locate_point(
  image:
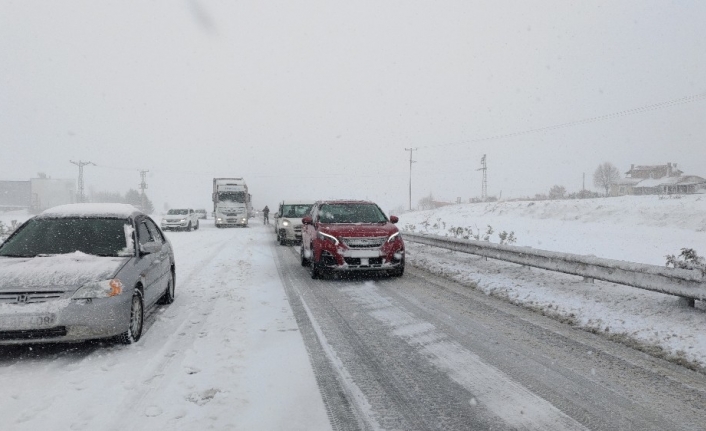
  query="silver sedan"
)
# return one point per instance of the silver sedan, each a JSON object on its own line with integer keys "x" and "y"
{"x": 83, "y": 271}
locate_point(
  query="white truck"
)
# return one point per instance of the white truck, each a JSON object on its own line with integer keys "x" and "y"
{"x": 231, "y": 202}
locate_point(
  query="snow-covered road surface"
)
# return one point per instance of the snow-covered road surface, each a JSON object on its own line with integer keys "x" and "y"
{"x": 226, "y": 355}
{"x": 424, "y": 353}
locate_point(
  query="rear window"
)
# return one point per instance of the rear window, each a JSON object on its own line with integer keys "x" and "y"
{"x": 96, "y": 236}
{"x": 351, "y": 213}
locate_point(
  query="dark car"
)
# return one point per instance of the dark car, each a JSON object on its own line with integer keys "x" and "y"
{"x": 83, "y": 271}
{"x": 203, "y": 215}
{"x": 348, "y": 236}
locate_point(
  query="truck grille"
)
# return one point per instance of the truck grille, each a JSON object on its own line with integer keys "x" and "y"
{"x": 373, "y": 242}
{"x": 29, "y": 297}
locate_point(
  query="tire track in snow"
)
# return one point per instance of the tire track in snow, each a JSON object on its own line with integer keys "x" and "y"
{"x": 152, "y": 377}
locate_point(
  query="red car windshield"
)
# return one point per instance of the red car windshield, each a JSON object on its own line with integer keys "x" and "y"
{"x": 351, "y": 213}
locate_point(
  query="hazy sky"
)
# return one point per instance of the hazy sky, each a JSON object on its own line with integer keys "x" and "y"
{"x": 319, "y": 99}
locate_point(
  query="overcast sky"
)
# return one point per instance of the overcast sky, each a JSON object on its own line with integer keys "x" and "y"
{"x": 319, "y": 99}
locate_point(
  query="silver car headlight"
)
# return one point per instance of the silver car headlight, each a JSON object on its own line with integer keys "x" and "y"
{"x": 100, "y": 289}
{"x": 285, "y": 223}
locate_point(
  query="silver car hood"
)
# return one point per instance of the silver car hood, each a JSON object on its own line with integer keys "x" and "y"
{"x": 62, "y": 270}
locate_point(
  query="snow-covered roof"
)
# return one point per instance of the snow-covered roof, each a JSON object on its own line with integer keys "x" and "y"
{"x": 628, "y": 181}
{"x": 92, "y": 209}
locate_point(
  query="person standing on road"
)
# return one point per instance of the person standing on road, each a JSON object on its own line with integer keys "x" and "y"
{"x": 266, "y": 212}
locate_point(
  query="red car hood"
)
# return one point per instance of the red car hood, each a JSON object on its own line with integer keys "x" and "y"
{"x": 358, "y": 230}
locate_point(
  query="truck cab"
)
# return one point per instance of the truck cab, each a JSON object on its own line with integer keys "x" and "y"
{"x": 231, "y": 202}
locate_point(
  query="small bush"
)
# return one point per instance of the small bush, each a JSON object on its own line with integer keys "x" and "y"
{"x": 687, "y": 259}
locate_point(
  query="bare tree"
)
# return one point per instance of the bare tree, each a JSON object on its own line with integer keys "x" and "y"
{"x": 605, "y": 176}
{"x": 426, "y": 203}
{"x": 557, "y": 192}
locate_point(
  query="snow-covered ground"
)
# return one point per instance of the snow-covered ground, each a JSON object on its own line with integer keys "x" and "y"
{"x": 640, "y": 229}
{"x": 226, "y": 355}
{"x": 636, "y": 229}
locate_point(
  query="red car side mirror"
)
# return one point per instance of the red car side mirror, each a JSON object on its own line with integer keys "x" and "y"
{"x": 307, "y": 220}
{"x": 394, "y": 219}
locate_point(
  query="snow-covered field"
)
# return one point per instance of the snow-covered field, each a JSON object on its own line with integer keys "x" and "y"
{"x": 636, "y": 229}
{"x": 632, "y": 228}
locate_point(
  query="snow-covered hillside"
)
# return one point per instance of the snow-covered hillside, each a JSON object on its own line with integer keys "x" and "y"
{"x": 633, "y": 228}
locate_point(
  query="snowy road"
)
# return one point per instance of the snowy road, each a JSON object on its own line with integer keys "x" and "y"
{"x": 422, "y": 353}
{"x": 226, "y": 355}
{"x": 252, "y": 343}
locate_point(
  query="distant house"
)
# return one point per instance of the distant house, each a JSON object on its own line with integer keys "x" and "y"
{"x": 657, "y": 180}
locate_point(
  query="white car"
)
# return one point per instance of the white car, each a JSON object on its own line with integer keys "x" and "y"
{"x": 288, "y": 220}
{"x": 180, "y": 219}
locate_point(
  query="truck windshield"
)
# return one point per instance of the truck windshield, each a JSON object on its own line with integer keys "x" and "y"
{"x": 237, "y": 197}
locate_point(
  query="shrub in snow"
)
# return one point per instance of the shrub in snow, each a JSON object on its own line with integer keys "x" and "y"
{"x": 687, "y": 259}
{"x": 507, "y": 238}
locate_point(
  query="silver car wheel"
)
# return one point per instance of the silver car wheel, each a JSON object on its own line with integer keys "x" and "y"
{"x": 134, "y": 330}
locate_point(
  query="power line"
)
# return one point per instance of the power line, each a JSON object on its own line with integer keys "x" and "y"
{"x": 655, "y": 106}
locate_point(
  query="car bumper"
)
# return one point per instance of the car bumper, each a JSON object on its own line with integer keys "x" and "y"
{"x": 361, "y": 260}
{"x": 231, "y": 221}
{"x": 174, "y": 225}
{"x": 291, "y": 234}
{"x": 78, "y": 320}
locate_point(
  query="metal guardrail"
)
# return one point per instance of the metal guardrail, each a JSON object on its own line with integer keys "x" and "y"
{"x": 689, "y": 284}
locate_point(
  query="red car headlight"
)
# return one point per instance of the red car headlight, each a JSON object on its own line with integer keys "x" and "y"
{"x": 326, "y": 237}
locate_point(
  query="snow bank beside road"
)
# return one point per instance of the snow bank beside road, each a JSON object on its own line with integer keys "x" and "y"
{"x": 641, "y": 229}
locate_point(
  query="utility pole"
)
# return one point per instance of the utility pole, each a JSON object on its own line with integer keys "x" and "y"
{"x": 484, "y": 168}
{"x": 143, "y": 186}
{"x": 411, "y": 150}
{"x": 80, "y": 164}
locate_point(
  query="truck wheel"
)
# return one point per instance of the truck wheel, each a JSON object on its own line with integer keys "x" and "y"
{"x": 282, "y": 239}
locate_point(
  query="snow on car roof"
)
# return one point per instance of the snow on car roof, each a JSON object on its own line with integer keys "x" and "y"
{"x": 92, "y": 209}
{"x": 346, "y": 201}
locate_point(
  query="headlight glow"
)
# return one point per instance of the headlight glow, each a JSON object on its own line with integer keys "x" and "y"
{"x": 285, "y": 223}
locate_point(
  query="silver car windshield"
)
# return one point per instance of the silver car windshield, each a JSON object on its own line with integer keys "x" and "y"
{"x": 96, "y": 236}
{"x": 177, "y": 212}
